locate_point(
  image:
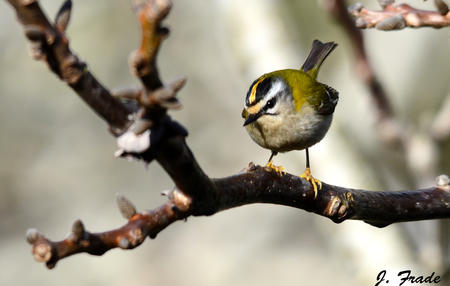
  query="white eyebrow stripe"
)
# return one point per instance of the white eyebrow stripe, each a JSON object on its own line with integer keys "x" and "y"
{"x": 277, "y": 86}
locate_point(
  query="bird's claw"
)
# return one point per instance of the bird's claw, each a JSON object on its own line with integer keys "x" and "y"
{"x": 316, "y": 184}
{"x": 278, "y": 169}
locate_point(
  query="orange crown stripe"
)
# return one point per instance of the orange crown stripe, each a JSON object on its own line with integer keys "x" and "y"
{"x": 252, "y": 97}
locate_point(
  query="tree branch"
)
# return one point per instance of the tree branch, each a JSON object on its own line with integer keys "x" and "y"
{"x": 398, "y": 16}
{"x": 79, "y": 240}
{"x": 389, "y": 128}
{"x": 50, "y": 44}
{"x": 143, "y": 60}
{"x": 255, "y": 185}
{"x": 195, "y": 194}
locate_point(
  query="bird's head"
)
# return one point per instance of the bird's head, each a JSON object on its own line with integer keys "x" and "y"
{"x": 269, "y": 95}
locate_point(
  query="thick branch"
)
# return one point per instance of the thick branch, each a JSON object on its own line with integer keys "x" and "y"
{"x": 255, "y": 185}
{"x": 398, "y": 16}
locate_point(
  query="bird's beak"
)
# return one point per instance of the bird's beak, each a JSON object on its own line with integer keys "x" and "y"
{"x": 252, "y": 118}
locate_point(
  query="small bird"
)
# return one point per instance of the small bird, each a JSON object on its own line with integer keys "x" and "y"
{"x": 289, "y": 109}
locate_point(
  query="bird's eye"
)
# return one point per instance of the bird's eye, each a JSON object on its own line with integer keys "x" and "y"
{"x": 270, "y": 103}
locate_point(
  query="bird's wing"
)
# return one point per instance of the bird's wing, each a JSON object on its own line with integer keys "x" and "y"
{"x": 328, "y": 101}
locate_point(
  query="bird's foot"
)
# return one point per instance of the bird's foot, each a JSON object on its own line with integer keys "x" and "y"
{"x": 278, "y": 169}
{"x": 316, "y": 184}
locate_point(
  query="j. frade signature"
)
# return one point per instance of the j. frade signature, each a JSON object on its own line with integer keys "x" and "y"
{"x": 405, "y": 276}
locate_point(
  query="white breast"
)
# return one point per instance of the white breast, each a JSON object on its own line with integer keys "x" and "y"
{"x": 292, "y": 131}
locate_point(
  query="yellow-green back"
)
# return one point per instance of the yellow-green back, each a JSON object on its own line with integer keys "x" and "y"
{"x": 304, "y": 88}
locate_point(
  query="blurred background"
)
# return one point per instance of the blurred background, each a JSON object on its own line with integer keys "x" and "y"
{"x": 57, "y": 162}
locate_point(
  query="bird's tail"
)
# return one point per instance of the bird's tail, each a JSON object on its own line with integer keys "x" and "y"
{"x": 317, "y": 55}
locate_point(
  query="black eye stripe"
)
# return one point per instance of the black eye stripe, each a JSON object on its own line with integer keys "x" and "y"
{"x": 270, "y": 103}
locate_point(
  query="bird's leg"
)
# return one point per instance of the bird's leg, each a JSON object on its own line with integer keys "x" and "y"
{"x": 316, "y": 184}
{"x": 278, "y": 169}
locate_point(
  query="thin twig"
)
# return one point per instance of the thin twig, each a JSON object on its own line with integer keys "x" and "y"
{"x": 389, "y": 129}
{"x": 52, "y": 46}
{"x": 79, "y": 240}
{"x": 398, "y": 16}
{"x": 143, "y": 61}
